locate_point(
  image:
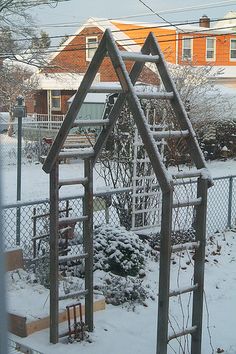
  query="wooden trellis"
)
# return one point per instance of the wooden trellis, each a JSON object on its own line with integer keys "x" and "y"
{"x": 151, "y": 53}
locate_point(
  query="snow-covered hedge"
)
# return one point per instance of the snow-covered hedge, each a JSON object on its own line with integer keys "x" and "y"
{"x": 118, "y": 251}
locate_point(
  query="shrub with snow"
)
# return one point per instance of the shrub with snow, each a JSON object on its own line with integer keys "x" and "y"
{"x": 124, "y": 290}
{"x": 118, "y": 251}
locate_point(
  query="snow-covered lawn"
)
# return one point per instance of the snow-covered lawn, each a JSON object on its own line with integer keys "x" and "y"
{"x": 122, "y": 331}
{"x": 35, "y": 182}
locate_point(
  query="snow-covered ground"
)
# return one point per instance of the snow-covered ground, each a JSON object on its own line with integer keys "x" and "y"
{"x": 35, "y": 182}
{"x": 122, "y": 331}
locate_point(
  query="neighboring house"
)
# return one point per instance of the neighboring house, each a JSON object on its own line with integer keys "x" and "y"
{"x": 202, "y": 44}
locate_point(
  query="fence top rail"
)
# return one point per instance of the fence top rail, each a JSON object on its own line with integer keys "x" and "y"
{"x": 102, "y": 193}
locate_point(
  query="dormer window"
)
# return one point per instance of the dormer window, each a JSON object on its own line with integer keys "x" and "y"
{"x": 91, "y": 46}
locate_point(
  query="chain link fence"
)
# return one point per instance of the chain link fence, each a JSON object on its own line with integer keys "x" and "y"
{"x": 33, "y": 143}
{"x": 221, "y": 214}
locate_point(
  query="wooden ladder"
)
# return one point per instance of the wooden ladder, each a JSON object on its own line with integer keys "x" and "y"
{"x": 150, "y": 52}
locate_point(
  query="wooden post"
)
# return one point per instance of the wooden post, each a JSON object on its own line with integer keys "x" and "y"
{"x": 197, "y": 313}
{"x": 164, "y": 274}
{"x": 54, "y": 297}
{"x": 88, "y": 242}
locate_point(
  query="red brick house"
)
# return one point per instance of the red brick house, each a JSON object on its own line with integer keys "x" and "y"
{"x": 201, "y": 44}
{"x": 59, "y": 81}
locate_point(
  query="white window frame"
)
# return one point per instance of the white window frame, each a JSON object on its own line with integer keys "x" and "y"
{"x": 88, "y": 57}
{"x": 230, "y": 58}
{"x": 53, "y": 96}
{"x": 213, "y": 49}
{"x": 191, "y": 48}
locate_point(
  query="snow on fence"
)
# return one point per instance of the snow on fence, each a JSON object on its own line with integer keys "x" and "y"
{"x": 221, "y": 212}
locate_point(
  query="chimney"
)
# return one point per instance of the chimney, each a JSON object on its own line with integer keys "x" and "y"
{"x": 204, "y": 21}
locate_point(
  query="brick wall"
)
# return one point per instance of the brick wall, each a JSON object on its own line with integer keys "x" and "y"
{"x": 73, "y": 59}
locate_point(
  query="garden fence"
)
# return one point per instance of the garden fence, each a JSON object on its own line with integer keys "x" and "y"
{"x": 221, "y": 213}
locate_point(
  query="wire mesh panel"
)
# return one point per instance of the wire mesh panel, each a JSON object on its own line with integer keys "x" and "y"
{"x": 110, "y": 208}
{"x": 218, "y": 204}
{"x": 233, "y": 200}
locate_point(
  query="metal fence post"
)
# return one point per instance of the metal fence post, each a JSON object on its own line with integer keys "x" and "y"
{"x": 19, "y": 112}
{"x": 3, "y": 315}
{"x": 229, "y": 224}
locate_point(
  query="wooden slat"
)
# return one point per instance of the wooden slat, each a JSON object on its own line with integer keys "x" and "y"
{"x": 185, "y": 246}
{"x": 185, "y": 331}
{"x": 183, "y": 290}
{"x": 80, "y": 153}
{"x": 139, "y": 57}
{"x": 155, "y": 95}
{"x": 73, "y": 295}
{"x": 188, "y": 174}
{"x": 170, "y": 134}
{"x": 91, "y": 122}
{"x": 187, "y": 203}
{"x": 71, "y": 220}
{"x": 72, "y": 181}
{"x": 64, "y": 259}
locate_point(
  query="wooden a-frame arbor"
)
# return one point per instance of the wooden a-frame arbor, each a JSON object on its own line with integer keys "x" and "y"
{"x": 150, "y": 52}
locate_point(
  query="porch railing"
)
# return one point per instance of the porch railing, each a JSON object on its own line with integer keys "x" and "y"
{"x": 42, "y": 120}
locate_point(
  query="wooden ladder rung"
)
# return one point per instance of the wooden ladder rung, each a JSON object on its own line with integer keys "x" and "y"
{"x": 72, "y": 220}
{"x": 155, "y": 95}
{"x": 72, "y": 181}
{"x": 185, "y": 246}
{"x": 81, "y": 153}
{"x": 189, "y": 174}
{"x": 186, "y": 203}
{"x": 165, "y": 134}
{"x": 39, "y": 237}
{"x": 74, "y": 294}
{"x": 183, "y": 290}
{"x": 139, "y": 57}
{"x": 64, "y": 259}
{"x": 91, "y": 122}
{"x": 185, "y": 331}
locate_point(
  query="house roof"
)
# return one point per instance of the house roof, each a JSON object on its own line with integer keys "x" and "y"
{"x": 60, "y": 81}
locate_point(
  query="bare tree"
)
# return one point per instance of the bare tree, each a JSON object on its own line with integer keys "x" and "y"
{"x": 16, "y": 79}
{"x": 203, "y": 102}
{"x": 17, "y": 31}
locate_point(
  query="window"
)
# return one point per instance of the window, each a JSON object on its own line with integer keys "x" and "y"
{"x": 91, "y": 46}
{"x": 187, "y": 48}
{"x": 56, "y": 100}
{"x": 210, "y": 48}
{"x": 233, "y": 49}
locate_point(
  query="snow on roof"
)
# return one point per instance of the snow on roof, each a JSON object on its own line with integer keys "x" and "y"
{"x": 92, "y": 98}
{"x": 229, "y": 22}
{"x": 60, "y": 81}
{"x": 223, "y": 72}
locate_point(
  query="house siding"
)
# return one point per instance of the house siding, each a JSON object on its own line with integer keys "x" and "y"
{"x": 222, "y": 57}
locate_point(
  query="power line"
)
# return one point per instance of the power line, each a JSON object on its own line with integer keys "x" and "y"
{"x": 128, "y": 29}
{"x": 82, "y": 48}
{"x": 175, "y": 10}
{"x": 161, "y": 17}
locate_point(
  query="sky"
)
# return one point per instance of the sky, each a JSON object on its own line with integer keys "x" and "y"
{"x": 69, "y": 15}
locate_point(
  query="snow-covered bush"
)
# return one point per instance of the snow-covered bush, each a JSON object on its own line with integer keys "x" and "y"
{"x": 124, "y": 290}
{"x": 118, "y": 251}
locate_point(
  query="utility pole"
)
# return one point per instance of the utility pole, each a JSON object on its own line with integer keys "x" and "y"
{"x": 19, "y": 113}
